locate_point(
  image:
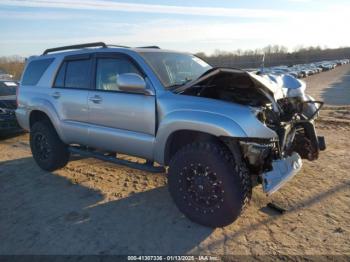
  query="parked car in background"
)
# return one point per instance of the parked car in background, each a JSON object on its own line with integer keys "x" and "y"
{"x": 304, "y": 70}
{"x": 5, "y": 77}
{"x": 8, "y": 121}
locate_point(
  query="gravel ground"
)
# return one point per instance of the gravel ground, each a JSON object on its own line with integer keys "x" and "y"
{"x": 92, "y": 207}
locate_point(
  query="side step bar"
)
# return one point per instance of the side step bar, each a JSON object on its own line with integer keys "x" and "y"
{"x": 148, "y": 166}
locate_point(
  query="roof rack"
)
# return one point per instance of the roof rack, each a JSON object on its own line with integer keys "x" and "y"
{"x": 72, "y": 47}
{"x": 152, "y": 46}
{"x": 123, "y": 46}
{"x": 96, "y": 44}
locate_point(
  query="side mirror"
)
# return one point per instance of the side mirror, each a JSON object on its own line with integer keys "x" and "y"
{"x": 131, "y": 82}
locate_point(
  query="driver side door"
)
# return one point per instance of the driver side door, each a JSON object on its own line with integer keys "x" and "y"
{"x": 120, "y": 121}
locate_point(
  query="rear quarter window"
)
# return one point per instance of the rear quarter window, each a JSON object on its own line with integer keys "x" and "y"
{"x": 35, "y": 71}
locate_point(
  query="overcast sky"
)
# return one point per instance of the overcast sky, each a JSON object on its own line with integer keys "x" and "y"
{"x": 29, "y": 26}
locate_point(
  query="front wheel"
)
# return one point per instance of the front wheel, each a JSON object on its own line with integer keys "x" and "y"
{"x": 49, "y": 152}
{"x": 206, "y": 184}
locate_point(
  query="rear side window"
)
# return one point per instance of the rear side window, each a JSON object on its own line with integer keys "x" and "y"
{"x": 35, "y": 71}
{"x": 74, "y": 74}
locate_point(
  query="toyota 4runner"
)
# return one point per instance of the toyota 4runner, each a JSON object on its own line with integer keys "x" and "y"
{"x": 215, "y": 131}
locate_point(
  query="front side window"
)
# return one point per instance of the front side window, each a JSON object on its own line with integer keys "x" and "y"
{"x": 108, "y": 69}
{"x": 74, "y": 74}
{"x": 174, "y": 69}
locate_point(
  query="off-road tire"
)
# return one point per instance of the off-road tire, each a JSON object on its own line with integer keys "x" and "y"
{"x": 57, "y": 154}
{"x": 235, "y": 182}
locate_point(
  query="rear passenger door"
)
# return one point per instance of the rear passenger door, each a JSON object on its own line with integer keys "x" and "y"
{"x": 69, "y": 96}
{"x": 120, "y": 121}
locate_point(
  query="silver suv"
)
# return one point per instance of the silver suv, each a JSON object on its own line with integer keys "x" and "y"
{"x": 214, "y": 130}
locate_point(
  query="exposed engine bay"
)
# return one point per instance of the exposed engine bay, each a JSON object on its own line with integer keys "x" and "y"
{"x": 279, "y": 102}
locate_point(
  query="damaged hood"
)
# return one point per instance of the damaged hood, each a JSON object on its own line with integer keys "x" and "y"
{"x": 290, "y": 86}
{"x": 272, "y": 86}
{"x": 268, "y": 84}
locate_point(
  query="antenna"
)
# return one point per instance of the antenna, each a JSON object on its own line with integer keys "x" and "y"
{"x": 263, "y": 63}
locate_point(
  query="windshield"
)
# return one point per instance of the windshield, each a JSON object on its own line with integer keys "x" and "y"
{"x": 175, "y": 69}
{"x": 7, "y": 88}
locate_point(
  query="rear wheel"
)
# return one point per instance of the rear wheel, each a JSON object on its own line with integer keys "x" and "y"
{"x": 207, "y": 185}
{"x": 49, "y": 152}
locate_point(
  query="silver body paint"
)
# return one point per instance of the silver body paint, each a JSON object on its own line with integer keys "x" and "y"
{"x": 134, "y": 124}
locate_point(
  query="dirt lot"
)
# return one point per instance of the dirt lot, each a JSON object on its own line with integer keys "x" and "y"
{"x": 91, "y": 207}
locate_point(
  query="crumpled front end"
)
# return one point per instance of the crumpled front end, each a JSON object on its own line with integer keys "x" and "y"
{"x": 294, "y": 122}
{"x": 281, "y": 105}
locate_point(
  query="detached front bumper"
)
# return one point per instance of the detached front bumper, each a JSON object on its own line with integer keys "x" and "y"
{"x": 282, "y": 171}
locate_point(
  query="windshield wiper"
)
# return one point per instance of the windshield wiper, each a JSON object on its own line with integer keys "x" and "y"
{"x": 174, "y": 86}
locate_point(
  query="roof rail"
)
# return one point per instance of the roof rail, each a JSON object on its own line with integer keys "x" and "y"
{"x": 72, "y": 47}
{"x": 152, "y": 46}
{"x": 122, "y": 46}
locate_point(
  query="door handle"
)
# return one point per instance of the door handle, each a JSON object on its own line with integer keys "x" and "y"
{"x": 96, "y": 99}
{"x": 56, "y": 95}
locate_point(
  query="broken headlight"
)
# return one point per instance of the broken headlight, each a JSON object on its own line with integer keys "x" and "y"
{"x": 255, "y": 153}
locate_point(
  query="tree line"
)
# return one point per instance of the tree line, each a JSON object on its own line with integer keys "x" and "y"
{"x": 274, "y": 55}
